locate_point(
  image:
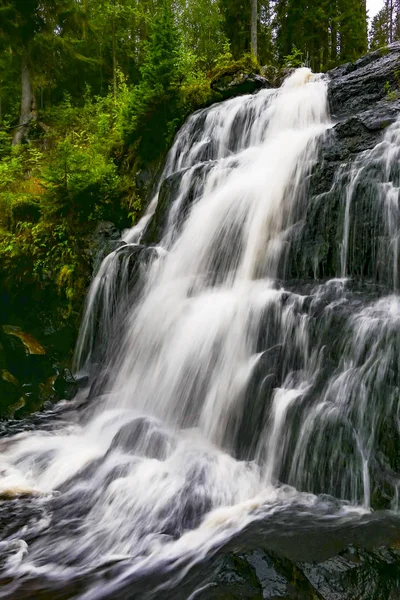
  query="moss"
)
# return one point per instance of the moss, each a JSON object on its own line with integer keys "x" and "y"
{"x": 25, "y": 210}
{"x": 32, "y": 346}
{"x": 247, "y": 64}
{"x": 11, "y": 397}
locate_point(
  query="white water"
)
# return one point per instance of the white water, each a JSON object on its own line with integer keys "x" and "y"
{"x": 175, "y": 457}
{"x": 204, "y": 300}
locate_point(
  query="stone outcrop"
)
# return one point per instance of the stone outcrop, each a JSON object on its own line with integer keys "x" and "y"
{"x": 237, "y": 84}
{"x": 29, "y": 376}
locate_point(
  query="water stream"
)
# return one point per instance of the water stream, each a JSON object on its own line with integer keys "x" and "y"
{"x": 228, "y": 400}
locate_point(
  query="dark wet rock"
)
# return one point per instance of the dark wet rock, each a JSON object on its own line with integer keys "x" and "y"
{"x": 281, "y": 578}
{"x": 105, "y": 238}
{"x": 284, "y": 74}
{"x": 353, "y": 573}
{"x": 146, "y": 179}
{"x": 65, "y": 385}
{"x": 142, "y": 437}
{"x": 266, "y": 377}
{"x": 357, "y": 573}
{"x": 360, "y": 103}
{"x": 363, "y": 109}
{"x": 119, "y": 288}
{"x": 23, "y": 362}
{"x": 356, "y": 87}
{"x": 235, "y": 580}
{"x": 270, "y": 72}
{"x": 239, "y": 83}
{"x": 31, "y": 377}
{"x": 169, "y": 192}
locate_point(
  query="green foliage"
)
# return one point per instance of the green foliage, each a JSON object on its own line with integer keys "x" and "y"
{"x": 225, "y": 66}
{"x": 393, "y": 94}
{"x": 52, "y": 190}
{"x": 172, "y": 84}
{"x": 295, "y": 59}
{"x": 201, "y": 24}
{"x": 154, "y": 103}
{"x": 236, "y": 26}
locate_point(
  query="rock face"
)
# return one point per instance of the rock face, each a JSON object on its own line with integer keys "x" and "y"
{"x": 169, "y": 190}
{"x": 343, "y": 229}
{"x": 364, "y": 99}
{"x": 356, "y": 87}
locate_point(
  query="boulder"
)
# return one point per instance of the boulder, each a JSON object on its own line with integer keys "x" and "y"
{"x": 229, "y": 85}
{"x": 105, "y": 238}
{"x": 356, "y": 87}
{"x": 27, "y": 373}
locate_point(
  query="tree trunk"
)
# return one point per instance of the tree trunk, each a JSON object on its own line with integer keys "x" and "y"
{"x": 391, "y": 21}
{"x": 334, "y": 42}
{"x": 28, "y": 106}
{"x": 114, "y": 55}
{"x": 254, "y": 11}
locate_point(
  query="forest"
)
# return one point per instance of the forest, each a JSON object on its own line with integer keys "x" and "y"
{"x": 92, "y": 93}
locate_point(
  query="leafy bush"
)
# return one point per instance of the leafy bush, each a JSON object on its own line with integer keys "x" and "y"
{"x": 295, "y": 59}
{"x": 50, "y": 193}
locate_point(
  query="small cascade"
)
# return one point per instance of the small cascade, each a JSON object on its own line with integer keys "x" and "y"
{"x": 237, "y": 391}
{"x": 110, "y": 292}
{"x": 368, "y": 189}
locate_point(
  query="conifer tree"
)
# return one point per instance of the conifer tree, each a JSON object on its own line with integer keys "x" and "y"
{"x": 353, "y": 29}
{"x": 154, "y": 101}
{"x": 34, "y": 30}
{"x": 385, "y": 27}
{"x": 324, "y": 31}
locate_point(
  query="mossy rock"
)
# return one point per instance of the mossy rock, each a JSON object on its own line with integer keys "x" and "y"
{"x": 25, "y": 357}
{"x": 11, "y": 396}
{"x": 237, "y": 78}
{"x": 32, "y": 346}
{"x": 247, "y": 64}
{"x": 30, "y": 373}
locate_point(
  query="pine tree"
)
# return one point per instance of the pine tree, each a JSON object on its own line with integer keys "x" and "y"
{"x": 201, "y": 25}
{"x": 385, "y": 27}
{"x": 353, "y": 30}
{"x": 154, "y": 101}
{"x": 34, "y": 30}
{"x": 323, "y": 31}
{"x": 379, "y": 34}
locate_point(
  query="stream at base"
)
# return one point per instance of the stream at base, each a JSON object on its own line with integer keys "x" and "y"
{"x": 118, "y": 524}
{"x": 240, "y": 433}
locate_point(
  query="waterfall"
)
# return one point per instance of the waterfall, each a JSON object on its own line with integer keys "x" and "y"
{"x": 226, "y": 392}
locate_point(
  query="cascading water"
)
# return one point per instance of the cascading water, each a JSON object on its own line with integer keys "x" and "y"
{"x": 383, "y": 196}
{"x": 229, "y": 398}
